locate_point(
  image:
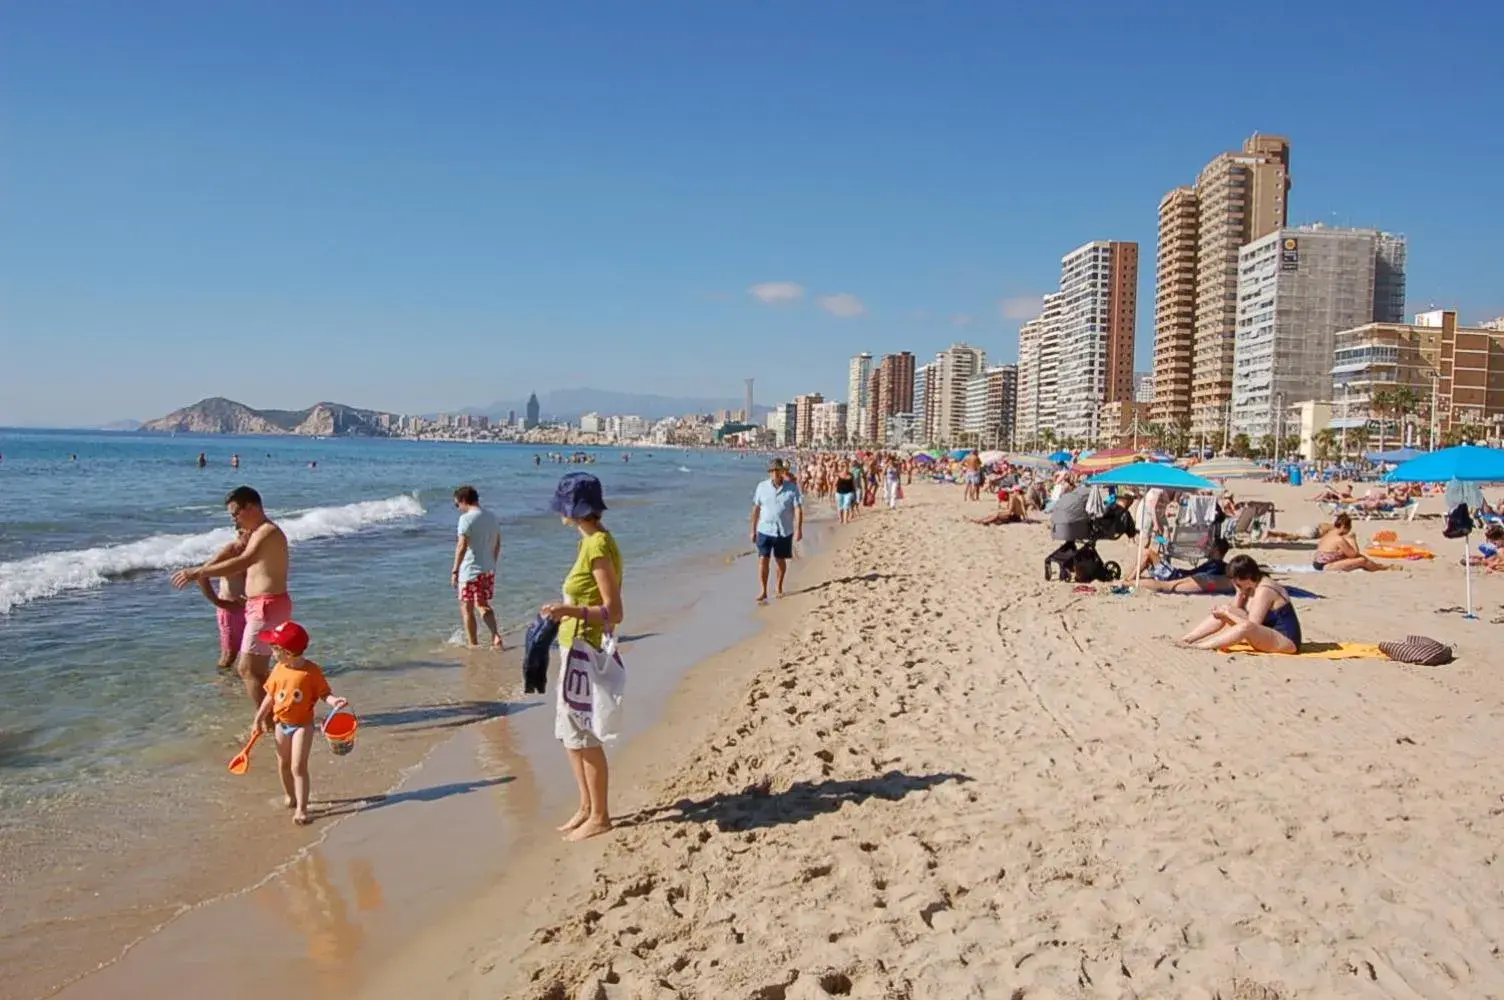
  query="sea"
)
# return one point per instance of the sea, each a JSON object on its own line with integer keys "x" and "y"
{"x": 114, "y": 721}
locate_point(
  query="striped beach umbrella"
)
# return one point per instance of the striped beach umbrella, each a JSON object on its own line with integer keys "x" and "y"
{"x": 1101, "y": 461}
{"x": 1229, "y": 468}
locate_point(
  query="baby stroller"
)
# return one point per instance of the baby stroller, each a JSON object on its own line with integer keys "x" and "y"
{"x": 1069, "y": 524}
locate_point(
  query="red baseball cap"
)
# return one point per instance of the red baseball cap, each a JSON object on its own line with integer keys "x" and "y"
{"x": 289, "y": 635}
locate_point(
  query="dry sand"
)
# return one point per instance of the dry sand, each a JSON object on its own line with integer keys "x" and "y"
{"x": 938, "y": 776}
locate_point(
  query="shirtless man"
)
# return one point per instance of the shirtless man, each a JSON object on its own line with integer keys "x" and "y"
{"x": 263, "y": 560}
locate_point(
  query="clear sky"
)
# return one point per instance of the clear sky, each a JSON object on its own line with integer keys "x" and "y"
{"x": 418, "y": 206}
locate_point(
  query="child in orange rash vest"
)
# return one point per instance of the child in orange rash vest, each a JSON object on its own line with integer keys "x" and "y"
{"x": 293, "y": 687}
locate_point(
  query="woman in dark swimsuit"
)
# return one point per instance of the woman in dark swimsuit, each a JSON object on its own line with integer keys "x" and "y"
{"x": 1262, "y": 615}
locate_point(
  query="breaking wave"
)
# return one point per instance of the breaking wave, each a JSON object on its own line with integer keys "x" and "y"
{"x": 54, "y": 573}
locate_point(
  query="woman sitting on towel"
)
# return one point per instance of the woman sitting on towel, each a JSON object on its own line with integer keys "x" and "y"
{"x": 1337, "y": 551}
{"x": 1262, "y": 615}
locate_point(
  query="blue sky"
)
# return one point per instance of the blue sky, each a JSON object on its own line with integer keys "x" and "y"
{"x": 420, "y": 206}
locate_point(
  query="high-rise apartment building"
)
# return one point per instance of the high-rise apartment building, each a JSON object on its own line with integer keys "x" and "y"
{"x": 1098, "y": 292}
{"x": 1239, "y": 197}
{"x": 1175, "y": 306}
{"x": 804, "y": 418}
{"x": 955, "y": 367}
{"x": 858, "y": 374}
{"x": 828, "y": 424}
{"x": 1296, "y": 289}
{"x": 924, "y": 423}
{"x": 1143, "y": 387}
{"x": 1242, "y": 198}
{"x": 1039, "y": 372}
{"x": 991, "y": 399}
{"x": 890, "y": 390}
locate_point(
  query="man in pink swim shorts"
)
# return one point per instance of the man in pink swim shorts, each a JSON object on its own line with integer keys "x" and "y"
{"x": 264, "y": 561}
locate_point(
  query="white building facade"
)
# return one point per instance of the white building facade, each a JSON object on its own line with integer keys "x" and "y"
{"x": 1296, "y": 289}
{"x": 857, "y": 402}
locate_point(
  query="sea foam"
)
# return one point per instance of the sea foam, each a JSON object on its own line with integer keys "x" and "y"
{"x": 53, "y": 573}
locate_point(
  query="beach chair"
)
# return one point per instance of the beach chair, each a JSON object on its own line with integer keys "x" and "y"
{"x": 1187, "y": 542}
{"x": 1255, "y": 519}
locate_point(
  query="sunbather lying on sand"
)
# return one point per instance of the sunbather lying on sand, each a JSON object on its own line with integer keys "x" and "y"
{"x": 1337, "y": 551}
{"x": 1208, "y": 578}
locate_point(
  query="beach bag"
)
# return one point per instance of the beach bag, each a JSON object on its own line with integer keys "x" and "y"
{"x": 592, "y": 688}
{"x": 1419, "y": 649}
{"x": 1459, "y": 523}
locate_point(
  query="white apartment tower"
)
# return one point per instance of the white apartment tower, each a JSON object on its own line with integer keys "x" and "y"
{"x": 1098, "y": 288}
{"x": 1039, "y": 372}
{"x": 857, "y": 402}
{"x": 1296, "y": 289}
{"x": 955, "y": 366}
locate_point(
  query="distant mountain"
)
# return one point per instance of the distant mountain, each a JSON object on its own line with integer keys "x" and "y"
{"x": 218, "y": 415}
{"x": 570, "y": 404}
{"x": 121, "y": 425}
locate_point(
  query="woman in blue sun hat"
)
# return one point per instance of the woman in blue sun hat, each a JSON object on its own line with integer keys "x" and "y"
{"x": 592, "y": 607}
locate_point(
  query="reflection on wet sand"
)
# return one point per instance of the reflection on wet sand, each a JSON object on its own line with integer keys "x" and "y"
{"x": 307, "y": 900}
{"x": 499, "y": 749}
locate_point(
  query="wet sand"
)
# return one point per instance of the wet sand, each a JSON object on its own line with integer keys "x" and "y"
{"x": 936, "y": 775}
{"x": 475, "y": 769}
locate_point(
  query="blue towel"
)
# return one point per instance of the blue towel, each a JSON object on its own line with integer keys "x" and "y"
{"x": 541, "y": 636}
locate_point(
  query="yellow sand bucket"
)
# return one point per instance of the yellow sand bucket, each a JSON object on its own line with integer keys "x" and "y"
{"x": 339, "y": 730}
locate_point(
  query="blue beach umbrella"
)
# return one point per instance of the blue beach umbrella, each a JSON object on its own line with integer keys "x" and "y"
{"x": 1151, "y": 475}
{"x": 1465, "y": 463}
{"x": 1061, "y": 456}
{"x": 1396, "y": 456}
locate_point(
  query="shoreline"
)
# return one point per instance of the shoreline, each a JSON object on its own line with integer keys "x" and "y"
{"x": 544, "y": 866}
{"x": 496, "y": 771}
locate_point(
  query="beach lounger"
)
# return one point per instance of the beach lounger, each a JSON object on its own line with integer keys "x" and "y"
{"x": 1255, "y": 519}
{"x": 1358, "y": 512}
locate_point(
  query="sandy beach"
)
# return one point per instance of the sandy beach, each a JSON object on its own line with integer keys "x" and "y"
{"x": 935, "y": 775}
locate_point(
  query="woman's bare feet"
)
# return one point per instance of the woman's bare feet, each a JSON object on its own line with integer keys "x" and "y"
{"x": 288, "y": 802}
{"x": 590, "y": 828}
{"x": 301, "y": 818}
{"x": 575, "y": 821}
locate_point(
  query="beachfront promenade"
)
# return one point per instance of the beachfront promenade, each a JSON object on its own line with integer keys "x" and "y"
{"x": 935, "y": 775}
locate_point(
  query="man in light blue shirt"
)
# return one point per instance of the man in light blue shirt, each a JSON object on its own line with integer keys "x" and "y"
{"x": 777, "y": 523}
{"x": 476, "y": 554}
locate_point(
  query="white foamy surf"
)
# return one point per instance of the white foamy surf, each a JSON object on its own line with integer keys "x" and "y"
{"x": 53, "y": 573}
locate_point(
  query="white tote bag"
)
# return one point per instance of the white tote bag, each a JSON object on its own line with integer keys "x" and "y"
{"x": 591, "y": 690}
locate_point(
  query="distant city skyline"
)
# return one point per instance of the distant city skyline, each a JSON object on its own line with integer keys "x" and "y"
{"x": 243, "y": 202}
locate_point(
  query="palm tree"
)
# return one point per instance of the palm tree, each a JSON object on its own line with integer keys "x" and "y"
{"x": 1405, "y": 401}
{"x": 1325, "y": 444}
{"x": 1266, "y": 446}
{"x": 1381, "y": 404}
{"x": 1241, "y": 447}
{"x": 1290, "y": 445}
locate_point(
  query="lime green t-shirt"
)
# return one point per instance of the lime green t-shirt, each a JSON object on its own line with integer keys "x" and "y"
{"x": 580, "y": 586}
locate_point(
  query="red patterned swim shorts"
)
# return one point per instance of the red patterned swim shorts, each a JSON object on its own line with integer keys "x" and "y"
{"x": 480, "y": 590}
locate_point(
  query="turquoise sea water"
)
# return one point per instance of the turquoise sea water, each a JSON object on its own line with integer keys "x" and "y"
{"x": 115, "y": 809}
{"x": 100, "y": 660}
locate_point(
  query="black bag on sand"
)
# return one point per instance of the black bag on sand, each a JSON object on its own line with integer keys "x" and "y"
{"x": 1419, "y": 649}
{"x": 541, "y": 635}
{"x": 1459, "y": 523}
